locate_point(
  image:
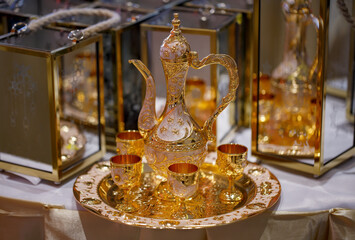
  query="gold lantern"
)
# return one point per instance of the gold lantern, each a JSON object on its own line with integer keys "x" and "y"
{"x": 296, "y": 123}
{"x": 122, "y": 94}
{"x": 52, "y": 97}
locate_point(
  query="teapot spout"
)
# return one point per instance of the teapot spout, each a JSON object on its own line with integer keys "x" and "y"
{"x": 147, "y": 117}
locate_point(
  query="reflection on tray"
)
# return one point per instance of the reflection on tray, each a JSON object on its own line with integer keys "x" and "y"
{"x": 205, "y": 204}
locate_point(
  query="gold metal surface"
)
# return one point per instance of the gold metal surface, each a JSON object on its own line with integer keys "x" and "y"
{"x": 183, "y": 181}
{"x": 175, "y": 137}
{"x": 119, "y": 82}
{"x": 126, "y": 170}
{"x": 96, "y": 191}
{"x": 130, "y": 142}
{"x": 231, "y": 161}
{"x": 245, "y": 109}
{"x": 126, "y": 173}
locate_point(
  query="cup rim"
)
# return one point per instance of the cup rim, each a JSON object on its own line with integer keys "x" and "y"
{"x": 194, "y": 169}
{"x": 128, "y": 132}
{"x": 131, "y": 157}
{"x": 221, "y": 147}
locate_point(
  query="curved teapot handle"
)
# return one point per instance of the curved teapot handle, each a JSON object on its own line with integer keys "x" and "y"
{"x": 317, "y": 63}
{"x": 231, "y": 66}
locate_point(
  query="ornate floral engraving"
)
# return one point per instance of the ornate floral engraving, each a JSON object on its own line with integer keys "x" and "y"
{"x": 265, "y": 188}
{"x": 91, "y": 201}
{"x": 22, "y": 90}
{"x": 256, "y": 171}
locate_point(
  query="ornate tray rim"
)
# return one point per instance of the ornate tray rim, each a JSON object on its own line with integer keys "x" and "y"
{"x": 268, "y": 192}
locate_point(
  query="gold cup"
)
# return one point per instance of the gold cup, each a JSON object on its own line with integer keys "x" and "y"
{"x": 231, "y": 160}
{"x": 126, "y": 172}
{"x": 182, "y": 182}
{"x": 130, "y": 142}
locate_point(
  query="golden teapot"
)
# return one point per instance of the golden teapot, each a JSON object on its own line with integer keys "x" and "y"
{"x": 175, "y": 137}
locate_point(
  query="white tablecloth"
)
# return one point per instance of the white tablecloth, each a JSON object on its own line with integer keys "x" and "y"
{"x": 300, "y": 191}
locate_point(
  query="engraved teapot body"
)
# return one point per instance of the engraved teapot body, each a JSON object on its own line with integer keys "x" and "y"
{"x": 175, "y": 137}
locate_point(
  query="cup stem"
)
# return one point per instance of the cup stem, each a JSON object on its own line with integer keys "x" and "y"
{"x": 181, "y": 212}
{"x": 231, "y": 187}
{"x": 231, "y": 195}
{"x": 125, "y": 195}
{"x": 125, "y": 204}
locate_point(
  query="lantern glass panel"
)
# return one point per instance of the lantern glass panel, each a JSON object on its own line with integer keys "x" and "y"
{"x": 339, "y": 131}
{"x": 24, "y": 124}
{"x": 79, "y": 100}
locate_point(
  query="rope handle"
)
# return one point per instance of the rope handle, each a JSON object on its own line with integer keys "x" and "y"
{"x": 75, "y": 35}
{"x": 345, "y": 11}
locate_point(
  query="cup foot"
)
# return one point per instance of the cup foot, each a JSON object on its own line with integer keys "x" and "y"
{"x": 229, "y": 197}
{"x": 182, "y": 213}
{"x": 162, "y": 192}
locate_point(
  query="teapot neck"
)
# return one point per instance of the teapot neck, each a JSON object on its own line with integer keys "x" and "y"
{"x": 295, "y": 34}
{"x": 175, "y": 75}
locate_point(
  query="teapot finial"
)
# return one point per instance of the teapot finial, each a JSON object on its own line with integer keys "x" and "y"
{"x": 176, "y": 24}
{"x": 175, "y": 47}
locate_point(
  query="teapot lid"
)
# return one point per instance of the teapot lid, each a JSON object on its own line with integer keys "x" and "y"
{"x": 175, "y": 47}
{"x": 296, "y": 6}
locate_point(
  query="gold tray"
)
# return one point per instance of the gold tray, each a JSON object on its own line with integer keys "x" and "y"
{"x": 96, "y": 192}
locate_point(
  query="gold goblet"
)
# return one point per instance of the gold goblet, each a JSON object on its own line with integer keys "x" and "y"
{"x": 130, "y": 142}
{"x": 126, "y": 172}
{"x": 183, "y": 184}
{"x": 231, "y": 160}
